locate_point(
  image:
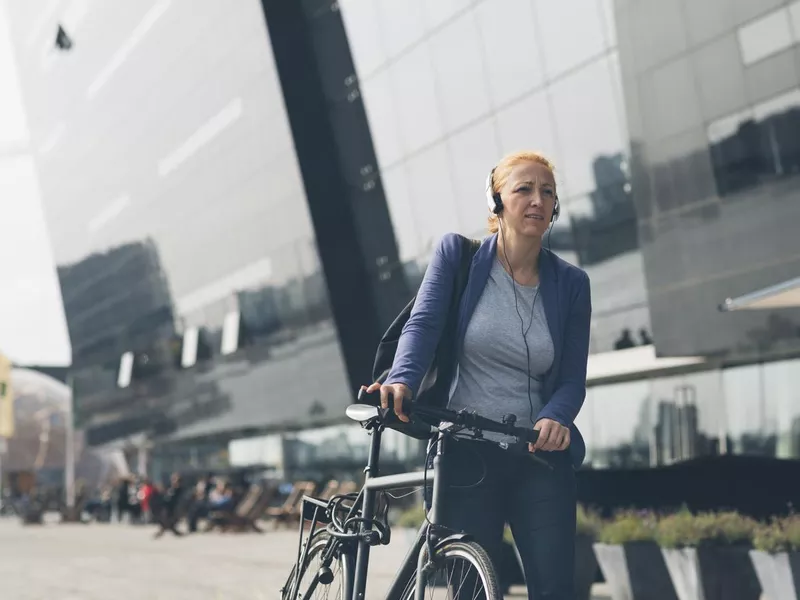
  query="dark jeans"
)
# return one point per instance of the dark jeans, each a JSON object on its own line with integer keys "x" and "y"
{"x": 538, "y": 504}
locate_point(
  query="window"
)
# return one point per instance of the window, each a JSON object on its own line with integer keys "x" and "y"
{"x": 125, "y": 370}
{"x": 621, "y": 425}
{"x": 689, "y": 421}
{"x": 230, "y": 333}
{"x": 460, "y": 78}
{"x": 514, "y": 66}
{"x": 757, "y": 145}
{"x": 418, "y": 118}
{"x": 782, "y": 398}
{"x": 571, "y": 33}
{"x": 587, "y": 125}
{"x": 749, "y": 429}
{"x": 765, "y": 36}
{"x": 189, "y": 350}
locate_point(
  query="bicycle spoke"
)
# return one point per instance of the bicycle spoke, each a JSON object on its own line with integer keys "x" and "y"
{"x": 453, "y": 586}
{"x": 309, "y": 575}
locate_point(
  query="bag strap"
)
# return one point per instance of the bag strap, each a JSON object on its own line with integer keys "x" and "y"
{"x": 469, "y": 247}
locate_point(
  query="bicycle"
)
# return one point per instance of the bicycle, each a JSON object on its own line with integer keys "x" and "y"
{"x": 350, "y": 524}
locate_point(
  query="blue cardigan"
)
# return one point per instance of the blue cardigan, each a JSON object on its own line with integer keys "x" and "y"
{"x": 566, "y": 298}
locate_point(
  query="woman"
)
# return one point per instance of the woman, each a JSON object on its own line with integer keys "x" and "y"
{"x": 523, "y": 342}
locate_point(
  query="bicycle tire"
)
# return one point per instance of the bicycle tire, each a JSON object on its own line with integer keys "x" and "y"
{"x": 471, "y": 552}
{"x": 317, "y": 546}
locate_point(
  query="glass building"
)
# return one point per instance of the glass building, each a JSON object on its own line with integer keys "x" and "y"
{"x": 240, "y": 198}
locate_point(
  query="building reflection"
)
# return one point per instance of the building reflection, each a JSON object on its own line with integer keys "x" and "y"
{"x": 677, "y": 417}
{"x": 715, "y": 182}
{"x": 181, "y": 387}
{"x": 611, "y": 229}
{"x": 763, "y": 148}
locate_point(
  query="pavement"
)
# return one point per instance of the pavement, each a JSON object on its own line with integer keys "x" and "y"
{"x": 95, "y": 561}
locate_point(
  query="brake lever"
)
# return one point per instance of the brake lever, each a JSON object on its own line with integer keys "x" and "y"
{"x": 522, "y": 448}
{"x": 454, "y": 429}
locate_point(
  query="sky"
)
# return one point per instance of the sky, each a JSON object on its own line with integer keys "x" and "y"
{"x": 33, "y": 329}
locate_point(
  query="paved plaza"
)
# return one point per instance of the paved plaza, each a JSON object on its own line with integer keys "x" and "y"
{"x": 100, "y": 561}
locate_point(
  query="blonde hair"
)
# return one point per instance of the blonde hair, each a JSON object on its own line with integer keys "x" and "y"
{"x": 503, "y": 170}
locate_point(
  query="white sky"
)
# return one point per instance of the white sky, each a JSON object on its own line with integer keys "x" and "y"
{"x": 33, "y": 329}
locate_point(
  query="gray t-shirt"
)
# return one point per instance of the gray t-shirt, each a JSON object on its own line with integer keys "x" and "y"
{"x": 492, "y": 376}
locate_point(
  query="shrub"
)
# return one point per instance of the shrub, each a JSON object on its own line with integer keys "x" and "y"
{"x": 727, "y": 528}
{"x": 683, "y": 529}
{"x": 678, "y": 530}
{"x": 780, "y": 535}
{"x": 412, "y": 517}
{"x": 628, "y": 526}
{"x": 589, "y": 522}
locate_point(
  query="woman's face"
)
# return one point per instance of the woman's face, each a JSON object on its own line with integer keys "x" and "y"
{"x": 529, "y": 198}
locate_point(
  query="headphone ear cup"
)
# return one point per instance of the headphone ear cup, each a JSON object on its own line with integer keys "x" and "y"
{"x": 498, "y": 204}
{"x": 493, "y": 200}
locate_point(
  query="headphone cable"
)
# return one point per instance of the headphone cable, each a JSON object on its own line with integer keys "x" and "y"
{"x": 521, "y": 320}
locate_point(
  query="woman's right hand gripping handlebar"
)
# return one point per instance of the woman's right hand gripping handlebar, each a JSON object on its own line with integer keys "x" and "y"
{"x": 393, "y": 393}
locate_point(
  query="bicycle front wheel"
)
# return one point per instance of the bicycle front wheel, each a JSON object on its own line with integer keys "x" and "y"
{"x": 463, "y": 570}
{"x": 307, "y": 580}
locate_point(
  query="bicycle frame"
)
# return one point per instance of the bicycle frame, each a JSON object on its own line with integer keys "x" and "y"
{"x": 355, "y": 580}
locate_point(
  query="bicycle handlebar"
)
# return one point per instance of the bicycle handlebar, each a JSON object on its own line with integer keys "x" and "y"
{"x": 471, "y": 420}
{"x": 435, "y": 416}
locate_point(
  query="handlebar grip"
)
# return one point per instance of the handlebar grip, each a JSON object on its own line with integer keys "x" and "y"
{"x": 373, "y": 399}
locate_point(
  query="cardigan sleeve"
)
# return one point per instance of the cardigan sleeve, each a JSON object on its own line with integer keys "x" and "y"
{"x": 570, "y": 387}
{"x": 421, "y": 333}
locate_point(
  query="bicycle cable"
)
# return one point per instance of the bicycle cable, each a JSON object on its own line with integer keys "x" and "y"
{"x": 425, "y": 503}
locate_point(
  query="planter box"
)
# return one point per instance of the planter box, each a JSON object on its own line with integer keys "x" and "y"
{"x": 585, "y": 567}
{"x": 635, "y": 570}
{"x": 779, "y": 574}
{"x": 509, "y": 571}
{"x": 712, "y": 573}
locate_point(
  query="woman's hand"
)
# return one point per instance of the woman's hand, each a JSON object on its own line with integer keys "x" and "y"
{"x": 552, "y": 436}
{"x": 398, "y": 391}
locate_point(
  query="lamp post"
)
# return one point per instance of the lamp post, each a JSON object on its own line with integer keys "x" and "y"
{"x": 69, "y": 454}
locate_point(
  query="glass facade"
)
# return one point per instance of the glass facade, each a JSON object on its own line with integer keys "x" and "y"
{"x": 712, "y": 98}
{"x": 241, "y": 197}
{"x": 450, "y": 87}
{"x": 33, "y": 329}
{"x": 749, "y": 410}
{"x": 186, "y": 254}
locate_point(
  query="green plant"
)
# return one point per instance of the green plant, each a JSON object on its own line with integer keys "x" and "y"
{"x": 628, "y": 526}
{"x": 779, "y": 535}
{"x": 678, "y": 530}
{"x": 589, "y": 523}
{"x": 727, "y": 528}
{"x": 412, "y": 517}
{"x": 683, "y": 529}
